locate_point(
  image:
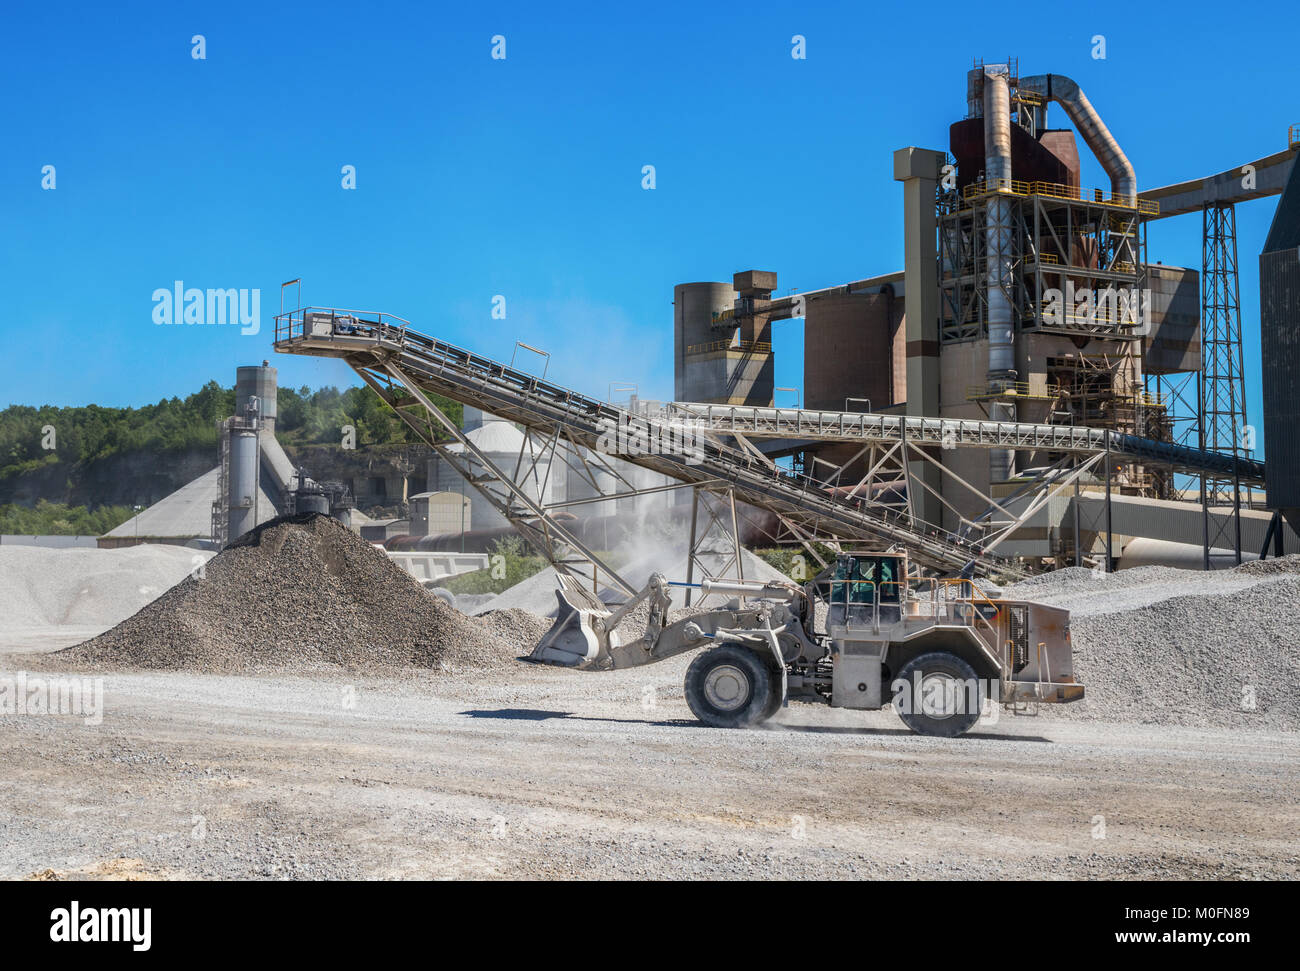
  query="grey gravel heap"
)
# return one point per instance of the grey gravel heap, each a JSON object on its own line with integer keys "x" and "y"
{"x": 1167, "y": 646}
{"x": 301, "y": 594}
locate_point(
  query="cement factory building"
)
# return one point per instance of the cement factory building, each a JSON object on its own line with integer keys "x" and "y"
{"x": 1025, "y": 297}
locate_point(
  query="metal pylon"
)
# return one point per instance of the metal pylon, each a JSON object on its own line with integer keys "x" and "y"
{"x": 1222, "y": 385}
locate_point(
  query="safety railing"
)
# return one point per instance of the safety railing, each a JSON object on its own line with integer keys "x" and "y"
{"x": 743, "y": 347}
{"x": 1126, "y": 311}
{"x": 328, "y": 322}
{"x": 1011, "y": 389}
{"x": 915, "y": 600}
{"x": 1054, "y": 190}
{"x": 1051, "y": 259}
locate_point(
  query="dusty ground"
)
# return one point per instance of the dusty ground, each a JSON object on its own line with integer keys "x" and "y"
{"x": 569, "y": 774}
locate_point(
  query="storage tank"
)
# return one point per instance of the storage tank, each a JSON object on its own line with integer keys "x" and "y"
{"x": 242, "y": 484}
{"x": 252, "y": 380}
{"x": 854, "y": 347}
{"x": 312, "y": 500}
{"x": 699, "y": 377}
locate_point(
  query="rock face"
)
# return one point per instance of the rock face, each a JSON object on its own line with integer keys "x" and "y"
{"x": 138, "y": 477}
{"x": 299, "y": 594}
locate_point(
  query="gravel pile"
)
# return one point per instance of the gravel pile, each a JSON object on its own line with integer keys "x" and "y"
{"x": 1270, "y": 567}
{"x": 1167, "y": 646}
{"x": 77, "y": 593}
{"x": 301, "y": 594}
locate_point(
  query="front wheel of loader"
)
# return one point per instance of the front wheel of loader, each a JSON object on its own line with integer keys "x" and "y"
{"x": 942, "y": 696}
{"x": 729, "y": 686}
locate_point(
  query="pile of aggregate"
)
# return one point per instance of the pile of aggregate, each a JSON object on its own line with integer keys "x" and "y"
{"x": 1161, "y": 645}
{"x": 81, "y": 592}
{"x": 304, "y": 593}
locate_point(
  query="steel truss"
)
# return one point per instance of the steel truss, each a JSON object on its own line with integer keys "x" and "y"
{"x": 566, "y": 430}
{"x": 1222, "y": 392}
{"x": 1058, "y": 243}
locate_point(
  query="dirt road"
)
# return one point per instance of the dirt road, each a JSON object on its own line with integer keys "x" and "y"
{"x": 564, "y": 774}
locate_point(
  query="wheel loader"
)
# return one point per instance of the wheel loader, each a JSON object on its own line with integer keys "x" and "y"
{"x": 937, "y": 650}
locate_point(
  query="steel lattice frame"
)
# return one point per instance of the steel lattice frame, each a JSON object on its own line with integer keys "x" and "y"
{"x": 1222, "y": 389}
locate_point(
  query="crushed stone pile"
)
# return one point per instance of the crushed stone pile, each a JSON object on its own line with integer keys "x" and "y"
{"x": 299, "y": 594}
{"x": 1165, "y": 646}
{"x": 1284, "y": 564}
{"x": 51, "y": 593}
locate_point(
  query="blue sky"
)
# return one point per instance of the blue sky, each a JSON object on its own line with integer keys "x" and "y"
{"x": 522, "y": 177}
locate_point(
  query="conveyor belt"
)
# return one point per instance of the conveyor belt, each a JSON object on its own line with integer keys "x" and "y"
{"x": 379, "y": 344}
{"x": 871, "y": 428}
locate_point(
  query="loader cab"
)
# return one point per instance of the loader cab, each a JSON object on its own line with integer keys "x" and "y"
{"x": 866, "y": 588}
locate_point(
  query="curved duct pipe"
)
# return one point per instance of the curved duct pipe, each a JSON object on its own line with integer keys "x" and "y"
{"x": 1066, "y": 93}
{"x": 998, "y": 257}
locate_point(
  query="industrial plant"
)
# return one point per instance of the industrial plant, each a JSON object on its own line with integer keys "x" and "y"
{"x": 1032, "y": 389}
{"x": 1017, "y": 479}
{"x": 1028, "y": 299}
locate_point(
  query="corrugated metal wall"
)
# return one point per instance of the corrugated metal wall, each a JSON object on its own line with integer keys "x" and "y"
{"x": 1279, "y": 318}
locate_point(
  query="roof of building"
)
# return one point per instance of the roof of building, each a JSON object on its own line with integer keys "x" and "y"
{"x": 187, "y": 512}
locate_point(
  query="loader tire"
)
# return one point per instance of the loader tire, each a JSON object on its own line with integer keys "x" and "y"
{"x": 776, "y": 700}
{"x": 943, "y": 707}
{"x": 729, "y": 686}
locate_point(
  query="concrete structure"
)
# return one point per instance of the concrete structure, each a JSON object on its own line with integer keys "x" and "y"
{"x": 260, "y": 384}
{"x": 429, "y": 567}
{"x": 49, "y": 542}
{"x": 722, "y": 340}
{"x": 1023, "y": 298}
{"x": 253, "y": 482}
{"x": 182, "y": 518}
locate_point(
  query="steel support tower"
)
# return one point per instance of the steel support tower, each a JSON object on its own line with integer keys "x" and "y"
{"x": 1222, "y": 392}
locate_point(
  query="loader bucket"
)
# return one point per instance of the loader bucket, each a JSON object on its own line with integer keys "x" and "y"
{"x": 578, "y": 637}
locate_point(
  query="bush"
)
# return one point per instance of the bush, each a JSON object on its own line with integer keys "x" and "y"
{"x": 795, "y": 561}
{"x": 56, "y": 519}
{"x": 90, "y": 433}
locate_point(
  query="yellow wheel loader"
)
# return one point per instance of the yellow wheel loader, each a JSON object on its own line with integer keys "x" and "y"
{"x": 937, "y": 650}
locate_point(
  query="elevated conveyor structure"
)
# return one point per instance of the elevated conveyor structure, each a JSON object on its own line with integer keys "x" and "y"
{"x": 877, "y": 429}
{"x": 566, "y": 429}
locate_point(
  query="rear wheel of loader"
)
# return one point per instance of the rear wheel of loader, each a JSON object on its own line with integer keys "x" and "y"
{"x": 943, "y": 705}
{"x": 729, "y": 686}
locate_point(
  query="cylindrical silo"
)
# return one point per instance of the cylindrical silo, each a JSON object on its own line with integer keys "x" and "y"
{"x": 260, "y": 382}
{"x": 700, "y": 375}
{"x": 242, "y": 484}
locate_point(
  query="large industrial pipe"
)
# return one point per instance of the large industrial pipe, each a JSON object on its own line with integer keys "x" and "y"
{"x": 1066, "y": 93}
{"x": 998, "y": 246}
